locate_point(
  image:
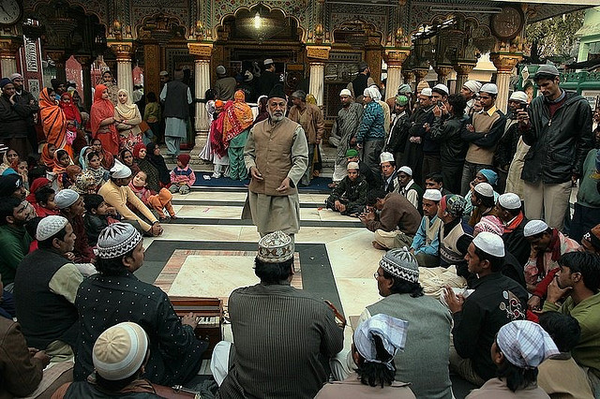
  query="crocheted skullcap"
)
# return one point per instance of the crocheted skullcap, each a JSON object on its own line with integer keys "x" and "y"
{"x": 401, "y": 263}
{"x": 116, "y": 240}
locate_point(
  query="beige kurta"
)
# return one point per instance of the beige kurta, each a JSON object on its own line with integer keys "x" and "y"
{"x": 278, "y": 151}
{"x": 119, "y": 196}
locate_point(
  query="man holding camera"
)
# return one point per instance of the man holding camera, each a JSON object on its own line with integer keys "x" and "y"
{"x": 558, "y": 127}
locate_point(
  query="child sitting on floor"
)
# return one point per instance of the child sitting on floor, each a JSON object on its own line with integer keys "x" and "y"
{"x": 156, "y": 202}
{"x": 98, "y": 215}
{"x": 182, "y": 176}
{"x": 44, "y": 202}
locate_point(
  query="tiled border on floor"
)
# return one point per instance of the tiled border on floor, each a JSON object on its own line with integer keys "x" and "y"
{"x": 317, "y": 276}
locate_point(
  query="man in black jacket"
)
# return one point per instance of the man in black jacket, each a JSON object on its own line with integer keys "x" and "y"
{"x": 29, "y": 103}
{"x": 558, "y": 127}
{"x": 452, "y": 148}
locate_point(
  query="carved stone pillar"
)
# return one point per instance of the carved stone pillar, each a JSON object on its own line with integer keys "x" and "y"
{"x": 505, "y": 62}
{"x": 202, "y": 52}
{"x": 123, "y": 51}
{"x": 8, "y": 55}
{"x": 443, "y": 71}
{"x": 317, "y": 55}
{"x": 463, "y": 69}
{"x": 394, "y": 58}
{"x": 60, "y": 58}
{"x": 86, "y": 62}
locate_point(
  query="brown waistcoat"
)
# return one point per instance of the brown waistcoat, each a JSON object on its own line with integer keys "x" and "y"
{"x": 273, "y": 155}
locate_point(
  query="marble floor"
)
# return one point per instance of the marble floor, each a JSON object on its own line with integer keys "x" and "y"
{"x": 214, "y": 216}
{"x": 209, "y": 251}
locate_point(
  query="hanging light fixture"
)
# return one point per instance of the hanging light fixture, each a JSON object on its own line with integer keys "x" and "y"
{"x": 259, "y": 23}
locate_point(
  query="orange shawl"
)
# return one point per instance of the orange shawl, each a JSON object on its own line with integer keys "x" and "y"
{"x": 238, "y": 117}
{"x": 54, "y": 121}
{"x": 103, "y": 109}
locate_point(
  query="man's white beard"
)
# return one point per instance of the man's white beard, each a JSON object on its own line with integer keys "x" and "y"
{"x": 274, "y": 118}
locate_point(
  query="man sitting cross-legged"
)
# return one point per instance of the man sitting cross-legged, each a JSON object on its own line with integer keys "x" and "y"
{"x": 425, "y": 245}
{"x": 350, "y": 194}
{"x": 45, "y": 287}
{"x": 284, "y": 337}
{"x": 392, "y": 218}
{"x": 116, "y": 295}
{"x": 495, "y": 301}
{"x": 429, "y": 326}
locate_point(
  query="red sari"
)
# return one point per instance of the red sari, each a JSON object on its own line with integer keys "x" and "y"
{"x": 54, "y": 122}
{"x": 104, "y": 109}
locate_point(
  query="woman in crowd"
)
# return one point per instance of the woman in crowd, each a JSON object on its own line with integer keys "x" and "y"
{"x": 10, "y": 159}
{"x": 102, "y": 118}
{"x": 54, "y": 121}
{"x": 139, "y": 155}
{"x": 152, "y": 116}
{"x": 157, "y": 160}
{"x": 127, "y": 117}
{"x": 126, "y": 158}
{"x": 107, "y": 159}
{"x": 236, "y": 126}
{"x": 72, "y": 115}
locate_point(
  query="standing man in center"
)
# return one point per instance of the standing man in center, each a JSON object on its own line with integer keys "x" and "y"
{"x": 177, "y": 97}
{"x": 310, "y": 117}
{"x": 276, "y": 156}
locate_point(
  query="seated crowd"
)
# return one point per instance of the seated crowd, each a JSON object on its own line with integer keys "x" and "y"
{"x": 470, "y": 285}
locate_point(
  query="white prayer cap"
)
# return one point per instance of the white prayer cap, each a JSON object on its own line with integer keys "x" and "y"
{"x": 221, "y": 70}
{"x": 16, "y": 76}
{"x": 120, "y": 351}
{"x": 65, "y": 198}
{"x": 525, "y": 344}
{"x": 534, "y": 227}
{"x": 490, "y": 243}
{"x": 519, "y": 96}
{"x": 485, "y": 189}
{"x": 472, "y": 85}
{"x": 386, "y": 157}
{"x": 489, "y": 88}
{"x": 432, "y": 194}
{"x": 117, "y": 240}
{"x": 268, "y": 61}
{"x": 352, "y": 166}
{"x": 120, "y": 171}
{"x": 49, "y": 226}
{"x": 346, "y": 92}
{"x": 426, "y": 92}
{"x": 509, "y": 201}
{"x": 441, "y": 87}
{"x": 164, "y": 73}
{"x": 406, "y": 170}
{"x": 390, "y": 330}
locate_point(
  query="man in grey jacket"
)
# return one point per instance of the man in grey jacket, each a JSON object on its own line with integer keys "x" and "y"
{"x": 558, "y": 127}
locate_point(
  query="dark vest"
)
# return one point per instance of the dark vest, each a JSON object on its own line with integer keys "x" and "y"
{"x": 176, "y": 103}
{"x": 44, "y": 316}
{"x": 83, "y": 389}
{"x": 359, "y": 84}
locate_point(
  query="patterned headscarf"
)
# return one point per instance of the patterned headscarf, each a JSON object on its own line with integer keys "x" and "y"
{"x": 392, "y": 332}
{"x": 525, "y": 344}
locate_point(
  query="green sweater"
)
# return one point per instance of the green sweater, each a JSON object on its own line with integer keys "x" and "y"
{"x": 15, "y": 245}
{"x": 587, "y": 313}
